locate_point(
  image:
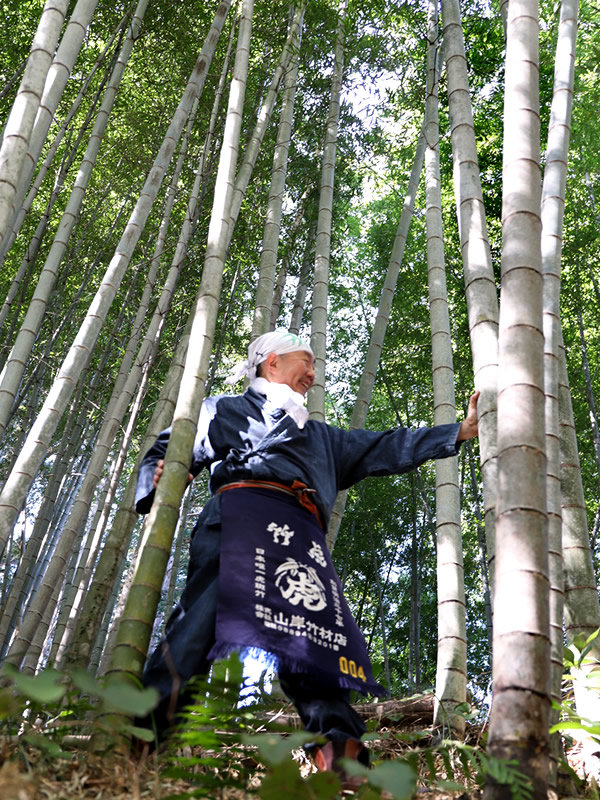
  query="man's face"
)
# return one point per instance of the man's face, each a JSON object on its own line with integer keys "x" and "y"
{"x": 296, "y": 369}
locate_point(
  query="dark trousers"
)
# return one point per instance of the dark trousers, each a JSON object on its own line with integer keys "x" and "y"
{"x": 190, "y": 635}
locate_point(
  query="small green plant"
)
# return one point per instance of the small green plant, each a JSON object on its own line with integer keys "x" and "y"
{"x": 579, "y": 666}
{"x": 43, "y": 710}
{"x": 233, "y": 747}
{"x": 210, "y": 735}
{"x": 464, "y": 766}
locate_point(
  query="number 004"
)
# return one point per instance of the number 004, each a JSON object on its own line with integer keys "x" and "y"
{"x": 349, "y": 667}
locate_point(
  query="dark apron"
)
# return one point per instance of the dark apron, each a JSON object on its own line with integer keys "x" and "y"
{"x": 279, "y": 592}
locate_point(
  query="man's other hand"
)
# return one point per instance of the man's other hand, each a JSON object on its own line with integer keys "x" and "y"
{"x": 158, "y": 471}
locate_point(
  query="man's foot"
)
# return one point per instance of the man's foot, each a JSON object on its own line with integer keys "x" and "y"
{"x": 140, "y": 749}
{"x": 327, "y": 758}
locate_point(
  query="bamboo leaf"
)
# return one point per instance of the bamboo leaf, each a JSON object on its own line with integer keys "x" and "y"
{"x": 46, "y": 687}
{"x": 275, "y": 749}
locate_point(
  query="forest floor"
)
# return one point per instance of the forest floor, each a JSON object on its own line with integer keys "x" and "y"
{"x": 130, "y": 778}
{"x": 28, "y": 773}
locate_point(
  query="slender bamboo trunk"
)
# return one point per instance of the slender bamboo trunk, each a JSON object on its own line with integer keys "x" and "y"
{"x": 318, "y": 332}
{"x": 80, "y": 570}
{"x": 303, "y": 280}
{"x": 180, "y": 535}
{"x": 33, "y": 247}
{"x": 268, "y": 255}
{"x": 23, "y": 578}
{"x": 483, "y": 561}
{"x": 27, "y": 265}
{"x": 47, "y": 520}
{"x": 265, "y": 112}
{"x": 582, "y": 608}
{"x": 13, "y": 79}
{"x": 361, "y": 605}
{"x": 406, "y": 422}
{"x": 480, "y": 284}
{"x": 227, "y": 314}
{"x": 5, "y": 567}
{"x": 108, "y": 647}
{"x": 521, "y": 664}
{"x": 19, "y": 126}
{"x": 382, "y": 617}
{"x": 283, "y": 270}
{"x": 451, "y": 673}
{"x": 100, "y": 641}
{"x": 552, "y": 215}
{"x": 38, "y": 647}
{"x": 415, "y": 590}
{"x": 504, "y": 14}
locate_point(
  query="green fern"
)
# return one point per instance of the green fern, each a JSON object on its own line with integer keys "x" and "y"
{"x": 501, "y": 771}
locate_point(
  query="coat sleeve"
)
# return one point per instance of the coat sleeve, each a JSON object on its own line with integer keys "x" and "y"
{"x": 203, "y": 455}
{"x": 392, "y": 452}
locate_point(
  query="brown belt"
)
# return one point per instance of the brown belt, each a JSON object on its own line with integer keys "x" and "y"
{"x": 298, "y": 490}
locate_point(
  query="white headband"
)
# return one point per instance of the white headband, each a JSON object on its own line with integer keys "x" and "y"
{"x": 278, "y": 341}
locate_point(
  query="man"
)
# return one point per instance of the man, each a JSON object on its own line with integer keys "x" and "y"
{"x": 259, "y": 572}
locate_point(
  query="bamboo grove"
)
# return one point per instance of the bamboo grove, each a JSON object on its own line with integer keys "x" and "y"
{"x": 413, "y": 186}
